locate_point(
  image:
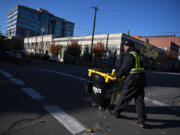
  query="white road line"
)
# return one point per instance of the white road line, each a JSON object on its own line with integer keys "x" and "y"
{"x": 9, "y": 76}
{"x": 155, "y": 102}
{"x": 61, "y": 73}
{"x": 17, "y": 81}
{"x": 6, "y": 74}
{"x": 170, "y": 73}
{"x": 33, "y": 94}
{"x": 69, "y": 122}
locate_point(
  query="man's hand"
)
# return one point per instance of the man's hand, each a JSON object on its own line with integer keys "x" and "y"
{"x": 114, "y": 78}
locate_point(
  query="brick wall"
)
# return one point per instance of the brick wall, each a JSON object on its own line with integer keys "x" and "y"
{"x": 162, "y": 42}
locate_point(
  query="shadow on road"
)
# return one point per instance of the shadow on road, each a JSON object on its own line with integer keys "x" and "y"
{"x": 166, "y": 118}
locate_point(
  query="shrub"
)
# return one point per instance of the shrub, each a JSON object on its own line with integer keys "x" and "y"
{"x": 99, "y": 50}
{"x": 150, "y": 56}
{"x": 74, "y": 49}
{"x": 10, "y": 44}
{"x": 55, "y": 49}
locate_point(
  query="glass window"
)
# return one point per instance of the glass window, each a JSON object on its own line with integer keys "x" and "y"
{"x": 69, "y": 25}
{"x": 24, "y": 10}
{"x": 29, "y": 26}
{"x": 58, "y": 23}
{"x": 58, "y": 26}
{"x": 22, "y": 25}
{"x": 11, "y": 25}
{"x": 22, "y": 15}
{"x": 15, "y": 19}
{"x": 165, "y": 48}
{"x": 31, "y": 16}
{"x": 44, "y": 18}
{"x": 29, "y": 22}
{"x": 10, "y": 17}
{"x": 34, "y": 16}
{"x": 13, "y": 12}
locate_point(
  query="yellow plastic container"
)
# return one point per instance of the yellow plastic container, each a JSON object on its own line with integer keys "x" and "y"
{"x": 106, "y": 76}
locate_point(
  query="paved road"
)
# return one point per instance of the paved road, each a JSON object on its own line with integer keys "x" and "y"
{"x": 20, "y": 114}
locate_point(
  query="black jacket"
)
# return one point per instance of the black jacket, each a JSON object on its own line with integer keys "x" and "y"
{"x": 128, "y": 63}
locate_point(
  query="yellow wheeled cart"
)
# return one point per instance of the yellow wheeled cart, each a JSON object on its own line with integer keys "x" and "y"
{"x": 103, "y": 88}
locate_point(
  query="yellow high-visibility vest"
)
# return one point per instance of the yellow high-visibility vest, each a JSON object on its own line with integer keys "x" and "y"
{"x": 137, "y": 69}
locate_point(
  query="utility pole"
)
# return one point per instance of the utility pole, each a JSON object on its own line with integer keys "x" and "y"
{"x": 107, "y": 42}
{"x": 95, "y": 9}
{"x": 28, "y": 37}
{"x": 42, "y": 32}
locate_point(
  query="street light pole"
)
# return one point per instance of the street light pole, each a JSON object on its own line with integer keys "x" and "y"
{"x": 95, "y": 8}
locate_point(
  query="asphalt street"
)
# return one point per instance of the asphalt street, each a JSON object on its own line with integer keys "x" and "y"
{"x": 21, "y": 114}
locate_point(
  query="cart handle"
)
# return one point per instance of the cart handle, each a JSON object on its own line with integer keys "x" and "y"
{"x": 106, "y": 76}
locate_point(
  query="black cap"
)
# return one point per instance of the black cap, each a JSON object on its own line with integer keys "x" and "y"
{"x": 129, "y": 43}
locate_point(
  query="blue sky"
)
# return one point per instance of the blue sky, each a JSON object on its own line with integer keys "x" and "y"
{"x": 141, "y": 17}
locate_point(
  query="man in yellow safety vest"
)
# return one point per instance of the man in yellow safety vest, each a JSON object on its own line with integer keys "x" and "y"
{"x": 134, "y": 83}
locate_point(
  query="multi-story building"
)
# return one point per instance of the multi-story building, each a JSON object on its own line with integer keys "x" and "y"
{"x": 26, "y": 22}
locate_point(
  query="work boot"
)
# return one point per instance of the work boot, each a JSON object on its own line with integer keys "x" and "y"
{"x": 115, "y": 113}
{"x": 139, "y": 123}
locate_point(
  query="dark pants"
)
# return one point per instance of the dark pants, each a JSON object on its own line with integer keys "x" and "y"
{"x": 132, "y": 92}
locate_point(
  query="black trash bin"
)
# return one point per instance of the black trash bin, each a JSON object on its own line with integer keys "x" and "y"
{"x": 101, "y": 92}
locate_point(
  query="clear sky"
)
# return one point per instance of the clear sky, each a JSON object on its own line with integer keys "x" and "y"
{"x": 141, "y": 17}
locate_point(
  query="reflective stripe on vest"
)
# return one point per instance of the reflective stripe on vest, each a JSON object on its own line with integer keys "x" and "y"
{"x": 137, "y": 69}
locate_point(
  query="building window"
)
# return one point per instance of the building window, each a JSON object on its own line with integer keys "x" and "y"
{"x": 165, "y": 48}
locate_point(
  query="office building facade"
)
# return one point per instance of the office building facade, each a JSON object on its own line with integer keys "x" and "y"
{"x": 27, "y": 22}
